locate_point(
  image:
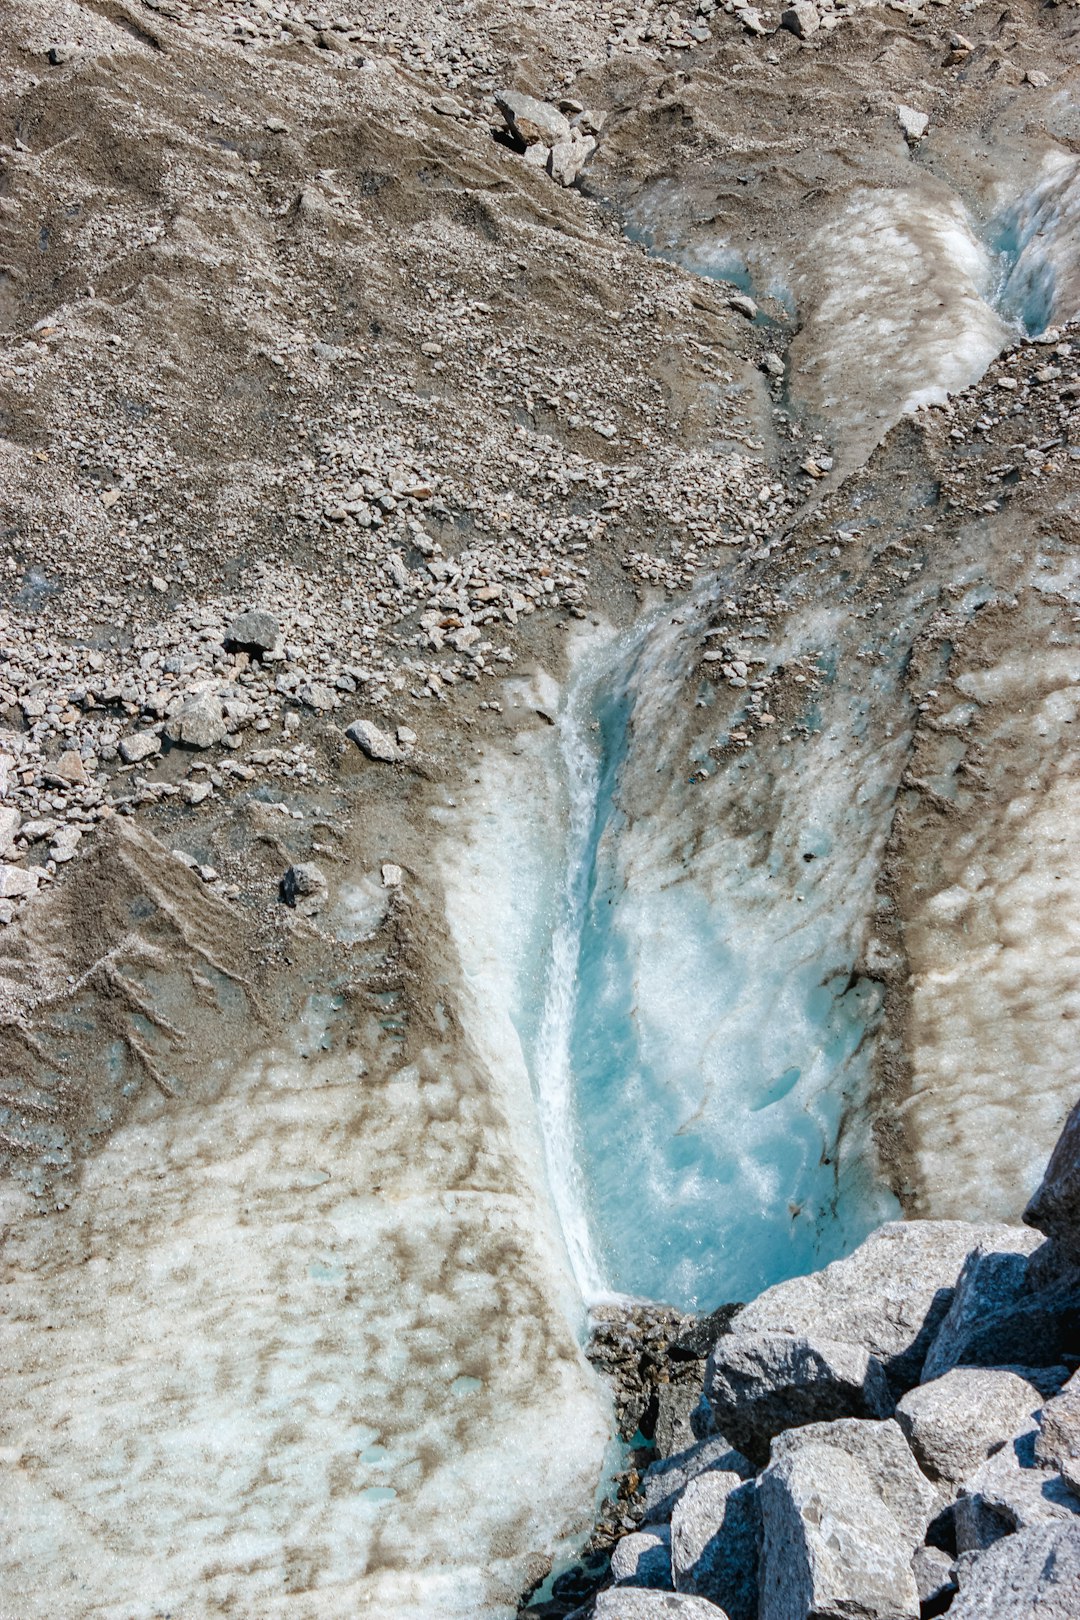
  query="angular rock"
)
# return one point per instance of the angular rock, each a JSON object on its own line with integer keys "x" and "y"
{"x": 139, "y": 746}
{"x": 629, "y": 1603}
{"x": 890, "y": 1295}
{"x": 802, "y": 19}
{"x": 955, "y": 1422}
{"x": 9, "y": 827}
{"x": 372, "y": 742}
{"x": 1034, "y": 1575}
{"x": 665, "y": 1481}
{"x": 1058, "y": 1442}
{"x": 759, "y": 1384}
{"x": 199, "y": 722}
{"x": 935, "y": 1576}
{"x": 913, "y": 123}
{"x": 17, "y": 882}
{"x": 70, "y": 768}
{"x": 1055, "y": 1207}
{"x": 64, "y": 844}
{"x": 997, "y": 1319}
{"x": 644, "y": 1558}
{"x": 1011, "y": 1492}
{"x": 304, "y": 888}
{"x": 683, "y": 1417}
{"x": 884, "y": 1453}
{"x": 254, "y": 632}
{"x": 831, "y": 1547}
{"x": 531, "y": 121}
{"x": 716, "y": 1542}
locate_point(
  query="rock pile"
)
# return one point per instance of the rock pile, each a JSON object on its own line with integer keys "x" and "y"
{"x": 895, "y": 1437}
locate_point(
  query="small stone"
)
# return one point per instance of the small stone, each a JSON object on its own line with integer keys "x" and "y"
{"x": 316, "y": 696}
{"x": 530, "y": 121}
{"x": 406, "y": 736}
{"x": 139, "y": 746}
{"x": 275, "y": 126}
{"x": 9, "y": 827}
{"x": 304, "y": 888}
{"x": 1037, "y": 78}
{"x": 372, "y": 742}
{"x": 802, "y": 19}
{"x": 64, "y": 845}
{"x": 772, "y": 365}
{"x": 199, "y": 723}
{"x": 195, "y": 792}
{"x": 71, "y": 769}
{"x": 743, "y": 305}
{"x": 17, "y": 882}
{"x": 157, "y": 583}
{"x": 913, "y": 123}
{"x": 254, "y": 632}
{"x": 392, "y": 875}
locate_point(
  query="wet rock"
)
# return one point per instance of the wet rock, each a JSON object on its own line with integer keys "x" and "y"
{"x": 644, "y": 1559}
{"x": 1034, "y": 1575}
{"x": 716, "y": 1542}
{"x": 890, "y": 1295}
{"x": 139, "y": 746}
{"x": 801, "y": 19}
{"x": 304, "y": 887}
{"x": 759, "y": 1384}
{"x": 199, "y": 722}
{"x": 935, "y": 1577}
{"x": 1055, "y": 1207}
{"x": 665, "y": 1481}
{"x": 1058, "y": 1442}
{"x": 955, "y": 1422}
{"x": 997, "y": 1318}
{"x": 626, "y": 1603}
{"x": 913, "y": 123}
{"x": 886, "y": 1457}
{"x": 830, "y": 1545}
{"x": 372, "y": 742}
{"x": 1011, "y": 1491}
{"x": 532, "y": 122}
{"x": 255, "y": 632}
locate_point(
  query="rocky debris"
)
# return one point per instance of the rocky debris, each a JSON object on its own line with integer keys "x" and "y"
{"x": 890, "y": 1295}
{"x": 644, "y": 1558}
{"x": 1055, "y": 1207}
{"x": 830, "y": 1544}
{"x": 664, "y": 1481}
{"x": 913, "y": 123}
{"x": 759, "y": 1384}
{"x": 1010, "y": 1491}
{"x": 1033, "y": 1575}
{"x": 199, "y": 722}
{"x": 254, "y": 632}
{"x": 304, "y": 887}
{"x": 953, "y": 1423}
{"x": 626, "y": 1603}
{"x": 1057, "y": 1444}
{"x": 547, "y": 136}
{"x": 884, "y": 1453}
{"x": 1001, "y": 1316}
{"x": 371, "y": 741}
{"x": 532, "y": 122}
{"x": 716, "y": 1542}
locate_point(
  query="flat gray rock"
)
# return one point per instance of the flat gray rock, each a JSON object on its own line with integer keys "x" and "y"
{"x": 831, "y": 1548}
{"x": 716, "y": 1542}
{"x": 1034, "y": 1575}
{"x": 371, "y": 741}
{"x": 253, "y": 632}
{"x": 631, "y": 1603}
{"x": 1011, "y": 1491}
{"x": 644, "y": 1558}
{"x": 955, "y": 1422}
{"x": 759, "y": 1384}
{"x": 139, "y": 746}
{"x": 886, "y": 1456}
{"x": 890, "y": 1295}
{"x": 664, "y": 1481}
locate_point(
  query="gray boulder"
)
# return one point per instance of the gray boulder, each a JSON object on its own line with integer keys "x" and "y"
{"x": 759, "y": 1384}
{"x": 373, "y": 742}
{"x": 716, "y": 1542}
{"x": 1011, "y": 1492}
{"x": 631, "y": 1603}
{"x": 1000, "y": 1318}
{"x": 954, "y": 1423}
{"x": 532, "y": 122}
{"x": 831, "y": 1547}
{"x": 199, "y": 722}
{"x": 663, "y": 1482}
{"x": 884, "y": 1453}
{"x": 644, "y": 1558}
{"x": 1034, "y": 1575}
{"x": 935, "y": 1576}
{"x": 1055, "y": 1208}
{"x": 1057, "y": 1444}
{"x": 890, "y": 1295}
{"x": 254, "y": 632}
